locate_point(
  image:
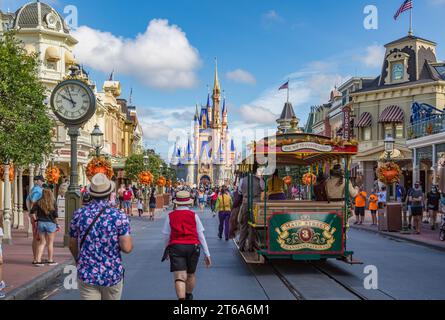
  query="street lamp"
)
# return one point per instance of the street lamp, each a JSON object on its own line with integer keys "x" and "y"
{"x": 389, "y": 149}
{"x": 97, "y": 139}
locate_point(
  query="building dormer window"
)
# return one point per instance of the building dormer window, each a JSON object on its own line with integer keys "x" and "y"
{"x": 397, "y": 71}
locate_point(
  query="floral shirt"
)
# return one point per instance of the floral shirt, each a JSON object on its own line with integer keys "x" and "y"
{"x": 100, "y": 260}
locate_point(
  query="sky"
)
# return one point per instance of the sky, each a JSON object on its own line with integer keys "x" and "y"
{"x": 165, "y": 51}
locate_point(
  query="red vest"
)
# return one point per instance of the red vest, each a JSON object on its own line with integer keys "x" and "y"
{"x": 183, "y": 227}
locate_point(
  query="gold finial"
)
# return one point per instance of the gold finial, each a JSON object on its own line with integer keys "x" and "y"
{"x": 216, "y": 86}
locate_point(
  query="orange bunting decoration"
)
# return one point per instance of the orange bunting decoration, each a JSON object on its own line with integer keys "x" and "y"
{"x": 99, "y": 165}
{"x": 389, "y": 173}
{"x": 309, "y": 179}
{"x": 52, "y": 175}
{"x": 161, "y": 182}
{"x": 11, "y": 172}
{"x": 288, "y": 180}
{"x": 145, "y": 178}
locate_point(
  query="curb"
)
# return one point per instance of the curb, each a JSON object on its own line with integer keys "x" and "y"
{"x": 398, "y": 237}
{"x": 37, "y": 284}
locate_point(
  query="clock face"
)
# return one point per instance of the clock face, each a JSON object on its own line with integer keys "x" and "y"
{"x": 73, "y": 102}
{"x": 51, "y": 19}
{"x": 397, "y": 71}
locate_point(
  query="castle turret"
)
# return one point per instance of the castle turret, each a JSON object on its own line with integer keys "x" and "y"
{"x": 216, "y": 97}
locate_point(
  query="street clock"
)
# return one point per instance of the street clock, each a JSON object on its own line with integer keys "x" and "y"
{"x": 73, "y": 102}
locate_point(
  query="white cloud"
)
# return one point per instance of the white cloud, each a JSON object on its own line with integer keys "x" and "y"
{"x": 241, "y": 76}
{"x": 373, "y": 56}
{"x": 162, "y": 57}
{"x": 272, "y": 16}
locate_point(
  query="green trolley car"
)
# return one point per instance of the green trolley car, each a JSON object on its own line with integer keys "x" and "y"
{"x": 305, "y": 230}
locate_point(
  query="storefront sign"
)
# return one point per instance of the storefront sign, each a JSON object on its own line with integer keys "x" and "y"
{"x": 61, "y": 206}
{"x": 298, "y": 233}
{"x": 347, "y": 123}
{"x": 306, "y": 146}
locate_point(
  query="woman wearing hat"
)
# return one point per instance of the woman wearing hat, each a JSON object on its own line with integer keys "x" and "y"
{"x": 184, "y": 234}
{"x": 99, "y": 233}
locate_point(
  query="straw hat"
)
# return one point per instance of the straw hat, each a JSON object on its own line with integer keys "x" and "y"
{"x": 100, "y": 186}
{"x": 183, "y": 198}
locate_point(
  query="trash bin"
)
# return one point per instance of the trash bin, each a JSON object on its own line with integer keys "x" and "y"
{"x": 390, "y": 217}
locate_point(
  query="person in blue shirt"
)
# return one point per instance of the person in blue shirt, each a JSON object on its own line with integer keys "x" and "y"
{"x": 34, "y": 196}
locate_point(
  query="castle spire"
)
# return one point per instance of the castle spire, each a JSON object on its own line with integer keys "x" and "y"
{"x": 216, "y": 87}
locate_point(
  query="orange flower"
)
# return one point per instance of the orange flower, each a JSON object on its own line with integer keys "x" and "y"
{"x": 145, "y": 178}
{"x": 309, "y": 178}
{"x": 99, "y": 165}
{"x": 288, "y": 180}
{"x": 11, "y": 172}
{"x": 52, "y": 175}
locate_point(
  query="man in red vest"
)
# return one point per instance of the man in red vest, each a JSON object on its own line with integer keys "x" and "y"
{"x": 184, "y": 234}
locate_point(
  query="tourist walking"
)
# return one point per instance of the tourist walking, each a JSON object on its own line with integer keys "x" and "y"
{"x": 373, "y": 206}
{"x": 34, "y": 195}
{"x": 360, "y": 204}
{"x": 433, "y": 199}
{"x": 128, "y": 198}
{"x": 120, "y": 194}
{"x": 417, "y": 199}
{"x": 224, "y": 208}
{"x": 184, "y": 234}
{"x": 140, "y": 206}
{"x": 99, "y": 233}
{"x": 2, "y": 282}
{"x": 45, "y": 213}
{"x": 152, "y": 205}
{"x": 201, "y": 199}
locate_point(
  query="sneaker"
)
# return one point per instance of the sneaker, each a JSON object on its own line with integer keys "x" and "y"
{"x": 2, "y": 285}
{"x": 2, "y": 295}
{"x": 188, "y": 296}
{"x": 52, "y": 263}
{"x": 39, "y": 264}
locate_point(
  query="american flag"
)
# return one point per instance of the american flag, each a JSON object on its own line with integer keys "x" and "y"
{"x": 284, "y": 86}
{"x": 407, "y": 5}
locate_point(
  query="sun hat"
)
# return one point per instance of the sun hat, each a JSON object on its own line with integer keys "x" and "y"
{"x": 39, "y": 178}
{"x": 183, "y": 198}
{"x": 100, "y": 186}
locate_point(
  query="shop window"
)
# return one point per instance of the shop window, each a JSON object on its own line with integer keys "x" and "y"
{"x": 399, "y": 131}
{"x": 366, "y": 134}
{"x": 387, "y": 130}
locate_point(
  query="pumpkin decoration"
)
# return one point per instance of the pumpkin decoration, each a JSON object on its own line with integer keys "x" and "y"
{"x": 99, "y": 165}
{"x": 52, "y": 174}
{"x": 389, "y": 173}
{"x": 309, "y": 179}
{"x": 288, "y": 180}
{"x": 161, "y": 182}
{"x": 145, "y": 178}
{"x": 11, "y": 172}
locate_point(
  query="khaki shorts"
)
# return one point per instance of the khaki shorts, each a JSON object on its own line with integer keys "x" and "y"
{"x": 90, "y": 292}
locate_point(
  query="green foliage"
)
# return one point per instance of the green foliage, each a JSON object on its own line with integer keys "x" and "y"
{"x": 25, "y": 125}
{"x": 135, "y": 165}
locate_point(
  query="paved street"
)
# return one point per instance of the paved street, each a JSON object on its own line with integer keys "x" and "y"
{"x": 405, "y": 271}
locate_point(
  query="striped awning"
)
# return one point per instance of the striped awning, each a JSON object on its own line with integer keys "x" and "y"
{"x": 365, "y": 120}
{"x": 392, "y": 114}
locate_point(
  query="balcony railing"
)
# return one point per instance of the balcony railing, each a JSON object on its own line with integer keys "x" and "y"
{"x": 426, "y": 127}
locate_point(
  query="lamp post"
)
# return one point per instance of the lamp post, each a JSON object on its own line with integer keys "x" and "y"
{"x": 97, "y": 140}
{"x": 389, "y": 149}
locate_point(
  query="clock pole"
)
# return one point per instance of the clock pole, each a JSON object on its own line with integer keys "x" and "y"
{"x": 72, "y": 197}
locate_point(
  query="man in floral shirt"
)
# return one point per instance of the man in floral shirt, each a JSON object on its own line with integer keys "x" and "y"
{"x": 99, "y": 233}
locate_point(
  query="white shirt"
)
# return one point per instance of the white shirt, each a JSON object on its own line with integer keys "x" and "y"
{"x": 1, "y": 233}
{"x": 166, "y": 230}
{"x": 382, "y": 196}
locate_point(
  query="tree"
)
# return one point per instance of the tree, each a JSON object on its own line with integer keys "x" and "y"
{"x": 135, "y": 165}
{"x": 25, "y": 124}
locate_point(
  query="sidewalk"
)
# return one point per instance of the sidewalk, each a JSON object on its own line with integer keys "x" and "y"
{"x": 21, "y": 277}
{"x": 427, "y": 237}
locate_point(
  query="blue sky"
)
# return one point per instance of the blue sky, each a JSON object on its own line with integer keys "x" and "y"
{"x": 259, "y": 44}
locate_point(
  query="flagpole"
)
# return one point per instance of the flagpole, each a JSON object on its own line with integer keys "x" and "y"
{"x": 411, "y": 22}
{"x": 288, "y": 90}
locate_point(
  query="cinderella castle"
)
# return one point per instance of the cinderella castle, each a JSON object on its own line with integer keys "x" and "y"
{"x": 209, "y": 155}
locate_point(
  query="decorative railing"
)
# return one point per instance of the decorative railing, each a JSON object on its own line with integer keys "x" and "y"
{"x": 426, "y": 127}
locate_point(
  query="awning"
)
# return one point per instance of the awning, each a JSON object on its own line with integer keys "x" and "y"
{"x": 392, "y": 114}
{"x": 69, "y": 58}
{"x": 52, "y": 54}
{"x": 365, "y": 120}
